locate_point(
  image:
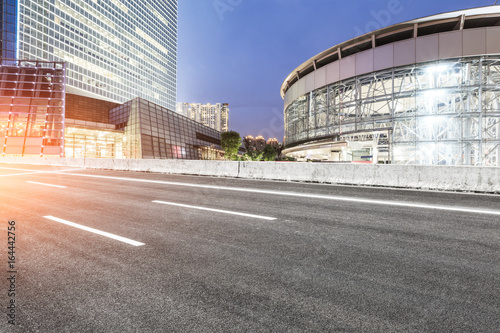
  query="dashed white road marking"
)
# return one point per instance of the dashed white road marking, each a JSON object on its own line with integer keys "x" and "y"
{"x": 52, "y": 185}
{"x": 292, "y": 194}
{"x": 303, "y": 195}
{"x": 215, "y": 210}
{"x": 95, "y": 231}
{"x": 30, "y": 172}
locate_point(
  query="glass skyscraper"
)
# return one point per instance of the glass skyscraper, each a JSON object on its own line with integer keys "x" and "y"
{"x": 115, "y": 50}
{"x": 8, "y": 19}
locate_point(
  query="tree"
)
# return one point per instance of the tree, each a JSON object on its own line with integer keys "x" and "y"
{"x": 230, "y": 143}
{"x": 278, "y": 148}
{"x": 253, "y": 155}
{"x": 268, "y": 154}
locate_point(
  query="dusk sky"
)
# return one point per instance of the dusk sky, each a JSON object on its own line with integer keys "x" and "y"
{"x": 240, "y": 51}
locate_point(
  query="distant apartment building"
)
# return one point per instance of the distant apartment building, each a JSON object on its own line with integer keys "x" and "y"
{"x": 259, "y": 143}
{"x": 273, "y": 142}
{"x": 215, "y": 116}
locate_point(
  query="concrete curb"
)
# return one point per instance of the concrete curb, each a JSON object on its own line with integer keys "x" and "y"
{"x": 445, "y": 178}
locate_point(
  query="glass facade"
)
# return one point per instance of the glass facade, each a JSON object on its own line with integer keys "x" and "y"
{"x": 154, "y": 132}
{"x": 32, "y": 108}
{"x": 8, "y": 19}
{"x": 445, "y": 112}
{"x": 91, "y": 143}
{"x": 115, "y": 49}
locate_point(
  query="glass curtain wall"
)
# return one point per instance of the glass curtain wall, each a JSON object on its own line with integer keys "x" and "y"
{"x": 117, "y": 49}
{"x": 32, "y": 108}
{"x": 91, "y": 143}
{"x": 8, "y": 19}
{"x": 154, "y": 132}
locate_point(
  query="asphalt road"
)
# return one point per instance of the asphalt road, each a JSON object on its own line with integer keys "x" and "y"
{"x": 307, "y": 258}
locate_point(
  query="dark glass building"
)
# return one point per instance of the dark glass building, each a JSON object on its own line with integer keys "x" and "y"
{"x": 151, "y": 131}
{"x": 8, "y": 17}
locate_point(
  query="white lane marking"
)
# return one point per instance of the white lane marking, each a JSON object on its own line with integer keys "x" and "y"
{"x": 20, "y": 174}
{"x": 31, "y": 172}
{"x": 215, "y": 210}
{"x": 302, "y": 195}
{"x": 28, "y": 181}
{"x": 75, "y": 168}
{"x": 95, "y": 231}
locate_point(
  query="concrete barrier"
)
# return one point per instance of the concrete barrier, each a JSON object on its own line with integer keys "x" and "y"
{"x": 449, "y": 178}
{"x": 203, "y": 168}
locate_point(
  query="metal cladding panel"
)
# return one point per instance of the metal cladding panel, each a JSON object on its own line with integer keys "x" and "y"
{"x": 383, "y": 57}
{"x": 364, "y": 62}
{"x": 404, "y": 52}
{"x": 333, "y": 72}
{"x": 294, "y": 93}
{"x": 427, "y": 48}
{"x": 310, "y": 81}
{"x": 320, "y": 78}
{"x": 287, "y": 98}
{"x": 474, "y": 42}
{"x": 290, "y": 96}
{"x": 493, "y": 40}
{"x": 347, "y": 67}
{"x": 450, "y": 44}
{"x": 301, "y": 87}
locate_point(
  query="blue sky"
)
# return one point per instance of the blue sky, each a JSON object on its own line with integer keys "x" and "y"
{"x": 240, "y": 51}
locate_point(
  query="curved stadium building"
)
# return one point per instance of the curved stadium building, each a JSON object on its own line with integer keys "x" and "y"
{"x": 426, "y": 91}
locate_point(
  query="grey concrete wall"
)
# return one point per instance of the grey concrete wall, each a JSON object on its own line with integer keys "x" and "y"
{"x": 203, "y": 168}
{"x": 451, "y": 178}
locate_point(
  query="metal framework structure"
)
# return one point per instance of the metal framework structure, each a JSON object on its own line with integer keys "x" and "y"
{"x": 441, "y": 112}
{"x": 32, "y": 108}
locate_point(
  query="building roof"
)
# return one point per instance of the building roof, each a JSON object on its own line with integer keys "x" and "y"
{"x": 456, "y": 20}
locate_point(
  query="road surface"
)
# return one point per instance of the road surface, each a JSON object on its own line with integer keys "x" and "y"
{"x": 109, "y": 251}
